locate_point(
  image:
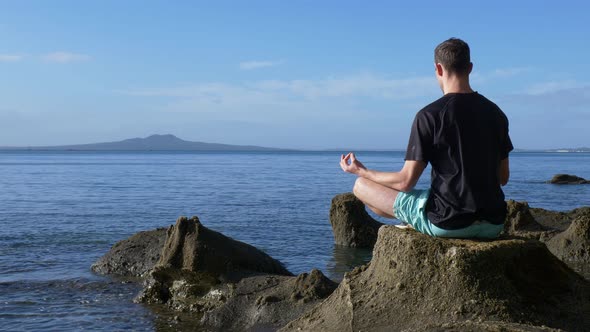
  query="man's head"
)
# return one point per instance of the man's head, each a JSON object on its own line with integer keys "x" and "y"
{"x": 452, "y": 59}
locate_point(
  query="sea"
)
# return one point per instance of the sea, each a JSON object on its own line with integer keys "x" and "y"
{"x": 61, "y": 211}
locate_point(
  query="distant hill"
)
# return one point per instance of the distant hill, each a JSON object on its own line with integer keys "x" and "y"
{"x": 150, "y": 143}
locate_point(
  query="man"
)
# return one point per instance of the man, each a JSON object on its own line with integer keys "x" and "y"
{"x": 464, "y": 136}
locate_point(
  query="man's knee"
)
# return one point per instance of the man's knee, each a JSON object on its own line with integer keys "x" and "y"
{"x": 360, "y": 186}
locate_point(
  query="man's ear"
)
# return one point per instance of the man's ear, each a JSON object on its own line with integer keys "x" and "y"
{"x": 470, "y": 68}
{"x": 438, "y": 69}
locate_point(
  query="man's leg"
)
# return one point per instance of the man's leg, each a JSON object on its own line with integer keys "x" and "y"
{"x": 378, "y": 198}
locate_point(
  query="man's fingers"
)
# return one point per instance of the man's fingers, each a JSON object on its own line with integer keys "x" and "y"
{"x": 344, "y": 161}
{"x": 344, "y": 165}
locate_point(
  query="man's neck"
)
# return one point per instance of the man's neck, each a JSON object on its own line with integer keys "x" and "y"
{"x": 456, "y": 84}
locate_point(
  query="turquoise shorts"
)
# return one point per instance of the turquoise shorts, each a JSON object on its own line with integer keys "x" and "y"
{"x": 410, "y": 208}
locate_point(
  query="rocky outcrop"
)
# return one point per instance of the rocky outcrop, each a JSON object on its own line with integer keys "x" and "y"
{"x": 133, "y": 257}
{"x": 194, "y": 259}
{"x": 201, "y": 278}
{"x": 567, "y": 179}
{"x": 520, "y": 221}
{"x": 268, "y": 302}
{"x": 557, "y": 220}
{"x": 566, "y": 234}
{"x": 573, "y": 245}
{"x": 351, "y": 224}
{"x": 415, "y": 281}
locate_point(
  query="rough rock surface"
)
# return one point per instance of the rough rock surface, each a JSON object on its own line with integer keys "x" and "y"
{"x": 268, "y": 302}
{"x": 351, "y": 224}
{"x": 134, "y": 256}
{"x": 195, "y": 258}
{"x": 521, "y": 222}
{"x": 567, "y": 179}
{"x": 573, "y": 245}
{"x": 566, "y": 234}
{"x": 416, "y": 281}
{"x": 559, "y": 221}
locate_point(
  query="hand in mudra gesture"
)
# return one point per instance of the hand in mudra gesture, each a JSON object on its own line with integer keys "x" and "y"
{"x": 350, "y": 164}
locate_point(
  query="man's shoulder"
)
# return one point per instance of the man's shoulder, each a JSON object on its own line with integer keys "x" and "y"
{"x": 488, "y": 101}
{"x": 493, "y": 106}
{"x": 436, "y": 106}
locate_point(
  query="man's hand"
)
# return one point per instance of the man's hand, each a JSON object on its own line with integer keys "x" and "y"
{"x": 350, "y": 164}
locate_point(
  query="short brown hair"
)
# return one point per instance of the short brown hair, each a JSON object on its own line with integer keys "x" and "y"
{"x": 454, "y": 55}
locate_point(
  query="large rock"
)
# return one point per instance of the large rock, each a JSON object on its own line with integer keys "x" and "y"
{"x": 573, "y": 245}
{"x": 194, "y": 259}
{"x": 566, "y": 234}
{"x": 134, "y": 256}
{"x": 268, "y": 302}
{"x": 558, "y": 220}
{"x": 567, "y": 179}
{"x": 521, "y": 222}
{"x": 418, "y": 282}
{"x": 351, "y": 224}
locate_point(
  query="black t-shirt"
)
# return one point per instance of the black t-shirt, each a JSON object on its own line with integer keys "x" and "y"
{"x": 464, "y": 136}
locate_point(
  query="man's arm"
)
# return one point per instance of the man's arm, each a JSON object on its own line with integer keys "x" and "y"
{"x": 504, "y": 171}
{"x": 404, "y": 180}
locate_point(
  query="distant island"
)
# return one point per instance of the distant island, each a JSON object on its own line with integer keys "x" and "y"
{"x": 150, "y": 143}
{"x": 170, "y": 142}
{"x": 584, "y": 149}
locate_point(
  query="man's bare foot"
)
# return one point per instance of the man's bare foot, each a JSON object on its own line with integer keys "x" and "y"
{"x": 404, "y": 226}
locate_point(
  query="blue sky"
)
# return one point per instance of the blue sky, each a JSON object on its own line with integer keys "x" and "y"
{"x": 295, "y": 74}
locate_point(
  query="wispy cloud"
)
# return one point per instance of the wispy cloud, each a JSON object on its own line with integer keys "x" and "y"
{"x": 558, "y": 98}
{"x": 10, "y": 57}
{"x": 361, "y": 85}
{"x": 510, "y": 72}
{"x": 339, "y": 99}
{"x": 553, "y": 86}
{"x": 499, "y": 73}
{"x": 65, "y": 57}
{"x": 250, "y": 65}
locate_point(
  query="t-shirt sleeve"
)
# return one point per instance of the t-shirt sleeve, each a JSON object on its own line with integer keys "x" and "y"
{"x": 506, "y": 142}
{"x": 421, "y": 139}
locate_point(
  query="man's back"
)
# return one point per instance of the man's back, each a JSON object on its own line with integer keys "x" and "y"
{"x": 464, "y": 136}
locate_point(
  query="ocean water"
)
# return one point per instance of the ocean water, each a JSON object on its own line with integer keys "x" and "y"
{"x": 59, "y": 212}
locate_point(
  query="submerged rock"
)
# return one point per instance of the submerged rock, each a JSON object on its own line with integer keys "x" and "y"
{"x": 195, "y": 258}
{"x": 268, "y": 302}
{"x": 415, "y": 281}
{"x": 567, "y": 179}
{"x": 134, "y": 256}
{"x": 351, "y": 224}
